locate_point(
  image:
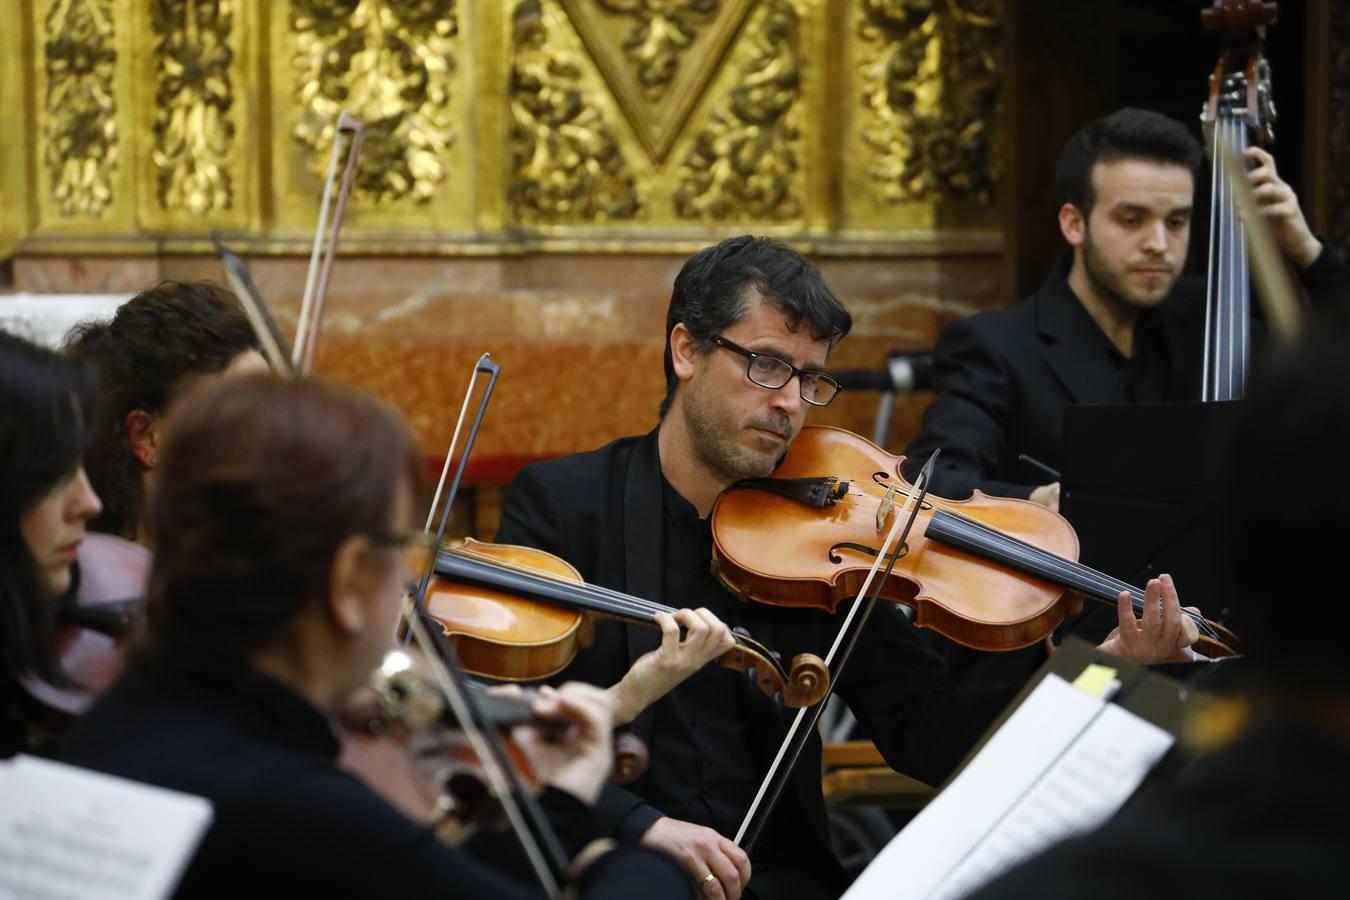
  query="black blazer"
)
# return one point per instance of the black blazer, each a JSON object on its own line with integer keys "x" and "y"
{"x": 1004, "y": 377}
{"x": 287, "y": 821}
{"x": 603, "y": 512}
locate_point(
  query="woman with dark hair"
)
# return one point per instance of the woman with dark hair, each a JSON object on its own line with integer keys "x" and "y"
{"x": 46, "y": 403}
{"x": 159, "y": 343}
{"x": 280, "y": 516}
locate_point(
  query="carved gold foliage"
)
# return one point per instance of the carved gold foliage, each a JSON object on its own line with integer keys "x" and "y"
{"x": 662, "y": 30}
{"x": 80, "y": 107}
{"x": 390, "y": 63}
{"x": 193, "y": 96}
{"x": 744, "y": 163}
{"x": 932, "y": 88}
{"x": 566, "y": 165}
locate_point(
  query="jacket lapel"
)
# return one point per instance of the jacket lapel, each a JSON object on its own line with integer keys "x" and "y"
{"x": 1073, "y": 346}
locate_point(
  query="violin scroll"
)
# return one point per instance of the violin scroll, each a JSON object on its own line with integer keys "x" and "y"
{"x": 803, "y": 684}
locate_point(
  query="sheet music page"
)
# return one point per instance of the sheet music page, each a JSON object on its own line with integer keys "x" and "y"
{"x": 1062, "y": 763}
{"x": 72, "y": 834}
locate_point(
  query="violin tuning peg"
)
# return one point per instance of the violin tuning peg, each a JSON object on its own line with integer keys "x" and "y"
{"x": 778, "y": 698}
{"x": 741, "y": 630}
{"x": 752, "y": 674}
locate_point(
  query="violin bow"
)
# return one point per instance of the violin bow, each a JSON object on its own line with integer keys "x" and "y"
{"x": 789, "y": 752}
{"x": 527, "y": 818}
{"x": 1277, "y": 295}
{"x": 537, "y": 838}
{"x": 485, "y": 365}
{"x": 316, "y": 280}
{"x": 270, "y": 339}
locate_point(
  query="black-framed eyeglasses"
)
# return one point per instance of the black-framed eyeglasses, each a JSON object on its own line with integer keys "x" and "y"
{"x": 770, "y": 372}
{"x": 416, "y": 548}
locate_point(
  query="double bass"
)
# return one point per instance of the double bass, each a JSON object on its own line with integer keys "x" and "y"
{"x": 1239, "y": 112}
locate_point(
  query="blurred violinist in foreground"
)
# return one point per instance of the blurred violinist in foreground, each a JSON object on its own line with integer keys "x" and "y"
{"x": 1267, "y": 814}
{"x": 46, "y": 403}
{"x": 281, "y": 518}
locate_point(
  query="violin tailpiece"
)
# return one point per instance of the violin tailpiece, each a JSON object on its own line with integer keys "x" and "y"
{"x": 818, "y": 493}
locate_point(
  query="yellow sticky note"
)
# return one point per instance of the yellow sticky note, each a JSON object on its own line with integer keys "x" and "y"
{"x": 1096, "y": 680}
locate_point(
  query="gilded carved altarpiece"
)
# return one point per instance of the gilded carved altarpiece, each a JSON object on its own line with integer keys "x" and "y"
{"x": 605, "y": 125}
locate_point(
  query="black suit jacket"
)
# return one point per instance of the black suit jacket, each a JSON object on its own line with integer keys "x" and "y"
{"x": 288, "y": 822}
{"x": 603, "y": 512}
{"x": 1268, "y": 816}
{"x": 1004, "y": 377}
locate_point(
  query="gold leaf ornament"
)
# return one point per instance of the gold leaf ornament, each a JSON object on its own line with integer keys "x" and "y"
{"x": 193, "y": 97}
{"x": 80, "y": 106}
{"x": 932, "y": 86}
{"x": 391, "y": 64}
{"x": 744, "y": 164}
{"x": 566, "y": 166}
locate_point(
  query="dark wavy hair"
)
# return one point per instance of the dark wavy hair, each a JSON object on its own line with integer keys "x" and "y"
{"x": 260, "y": 480}
{"x": 1125, "y": 134}
{"x": 47, "y": 405}
{"x": 710, "y": 294}
{"x": 156, "y": 344}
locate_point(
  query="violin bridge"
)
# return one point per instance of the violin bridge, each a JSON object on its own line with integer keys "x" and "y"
{"x": 884, "y": 508}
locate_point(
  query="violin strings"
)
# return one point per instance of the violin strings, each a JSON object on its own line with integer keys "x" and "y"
{"x": 602, "y": 599}
{"x": 605, "y": 599}
{"x": 1067, "y": 572}
{"x": 1057, "y": 568}
{"x": 1103, "y": 584}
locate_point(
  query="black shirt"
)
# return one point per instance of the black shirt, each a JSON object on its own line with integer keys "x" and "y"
{"x": 287, "y": 821}
{"x": 703, "y": 765}
{"x": 1146, "y": 373}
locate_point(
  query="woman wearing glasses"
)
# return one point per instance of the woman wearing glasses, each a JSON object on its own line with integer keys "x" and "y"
{"x": 276, "y": 586}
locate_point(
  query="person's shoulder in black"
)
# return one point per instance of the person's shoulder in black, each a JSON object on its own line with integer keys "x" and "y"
{"x": 560, "y": 505}
{"x": 287, "y": 821}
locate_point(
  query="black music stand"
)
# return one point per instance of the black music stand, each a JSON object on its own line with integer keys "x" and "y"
{"x": 1136, "y": 483}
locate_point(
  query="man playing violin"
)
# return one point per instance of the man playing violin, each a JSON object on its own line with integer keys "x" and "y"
{"x": 749, "y": 330}
{"x": 1113, "y": 322}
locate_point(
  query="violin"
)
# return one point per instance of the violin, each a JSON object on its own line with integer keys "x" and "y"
{"x": 445, "y": 781}
{"x": 991, "y": 573}
{"x": 92, "y": 630}
{"x": 520, "y": 614}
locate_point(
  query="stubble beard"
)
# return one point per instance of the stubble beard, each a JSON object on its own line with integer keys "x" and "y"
{"x": 712, "y": 438}
{"x": 1111, "y": 285}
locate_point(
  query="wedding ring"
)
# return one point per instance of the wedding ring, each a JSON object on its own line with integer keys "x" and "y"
{"x": 709, "y": 879}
